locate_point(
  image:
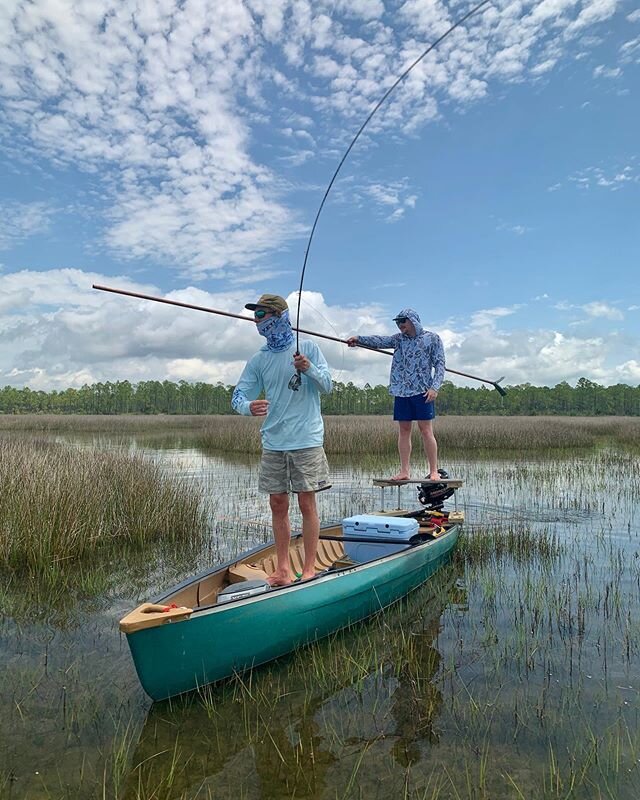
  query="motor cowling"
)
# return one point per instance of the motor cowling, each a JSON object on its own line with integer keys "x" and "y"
{"x": 432, "y": 495}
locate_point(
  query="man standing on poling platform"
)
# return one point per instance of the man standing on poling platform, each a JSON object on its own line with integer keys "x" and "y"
{"x": 417, "y": 372}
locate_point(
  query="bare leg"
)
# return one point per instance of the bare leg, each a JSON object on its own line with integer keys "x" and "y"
{"x": 310, "y": 532}
{"x": 430, "y": 447}
{"x": 282, "y": 533}
{"x": 404, "y": 448}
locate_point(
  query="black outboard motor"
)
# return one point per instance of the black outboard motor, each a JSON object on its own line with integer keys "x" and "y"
{"x": 432, "y": 495}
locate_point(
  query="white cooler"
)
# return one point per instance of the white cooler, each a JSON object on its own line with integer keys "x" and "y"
{"x": 369, "y": 526}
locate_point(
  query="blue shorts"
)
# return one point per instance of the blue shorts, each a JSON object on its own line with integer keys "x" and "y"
{"x": 406, "y": 409}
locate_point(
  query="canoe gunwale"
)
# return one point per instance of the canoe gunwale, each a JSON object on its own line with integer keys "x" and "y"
{"x": 330, "y": 573}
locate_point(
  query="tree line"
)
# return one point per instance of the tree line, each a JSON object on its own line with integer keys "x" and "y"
{"x": 586, "y": 398}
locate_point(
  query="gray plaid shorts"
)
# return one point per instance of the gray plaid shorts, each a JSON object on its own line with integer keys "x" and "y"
{"x": 303, "y": 470}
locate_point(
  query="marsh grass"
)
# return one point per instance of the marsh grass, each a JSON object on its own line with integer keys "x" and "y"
{"x": 356, "y": 435}
{"x": 365, "y": 435}
{"x": 102, "y": 423}
{"x": 59, "y": 505}
{"x": 515, "y": 540}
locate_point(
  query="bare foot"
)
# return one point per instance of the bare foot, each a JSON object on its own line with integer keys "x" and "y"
{"x": 279, "y": 579}
{"x": 401, "y": 476}
{"x": 434, "y": 476}
{"x": 308, "y": 575}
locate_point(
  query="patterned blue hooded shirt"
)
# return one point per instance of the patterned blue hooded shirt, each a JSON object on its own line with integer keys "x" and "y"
{"x": 418, "y": 361}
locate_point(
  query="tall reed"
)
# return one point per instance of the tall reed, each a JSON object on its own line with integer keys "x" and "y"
{"x": 59, "y": 503}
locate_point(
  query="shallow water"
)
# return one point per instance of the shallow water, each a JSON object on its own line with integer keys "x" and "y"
{"x": 508, "y": 675}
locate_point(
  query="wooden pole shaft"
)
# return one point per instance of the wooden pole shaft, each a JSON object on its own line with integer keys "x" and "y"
{"x": 193, "y": 307}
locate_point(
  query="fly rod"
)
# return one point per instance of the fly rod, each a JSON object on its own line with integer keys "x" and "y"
{"x": 396, "y": 83}
{"x": 192, "y": 307}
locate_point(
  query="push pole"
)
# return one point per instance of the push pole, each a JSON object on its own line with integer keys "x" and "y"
{"x": 207, "y": 310}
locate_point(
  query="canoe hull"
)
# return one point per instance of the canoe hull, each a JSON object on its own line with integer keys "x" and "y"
{"x": 219, "y": 641}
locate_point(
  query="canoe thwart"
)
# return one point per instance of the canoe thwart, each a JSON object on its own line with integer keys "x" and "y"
{"x": 149, "y": 615}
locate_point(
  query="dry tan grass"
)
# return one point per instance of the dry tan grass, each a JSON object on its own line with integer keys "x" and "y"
{"x": 356, "y": 434}
{"x": 107, "y": 423}
{"x": 359, "y": 435}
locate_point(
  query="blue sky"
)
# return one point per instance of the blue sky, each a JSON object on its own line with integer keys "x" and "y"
{"x": 182, "y": 149}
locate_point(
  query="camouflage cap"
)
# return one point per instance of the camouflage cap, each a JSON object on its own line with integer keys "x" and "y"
{"x": 271, "y": 302}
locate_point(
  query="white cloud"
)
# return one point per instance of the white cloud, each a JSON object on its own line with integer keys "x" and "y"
{"x": 614, "y": 178}
{"x": 594, "y": 310}
{"x": 600, "y": 309}
{"x": 488, "y": 317}
{"x": 56, "y": 331}
{"x": 168, "y": 109}
{"x": 630, "y": 51}
{"x": 629, "y": 372}
{"x": 607, "y": 72}
{"x": 391, "y": 199}
{"x": 519, "y": 230}
{"x": 19, "y": 221}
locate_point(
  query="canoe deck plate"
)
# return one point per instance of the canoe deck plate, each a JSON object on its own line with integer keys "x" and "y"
{"x": 454, "y": 484}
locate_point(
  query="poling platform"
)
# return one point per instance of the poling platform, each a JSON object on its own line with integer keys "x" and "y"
{"x": 453, "y": 484}
{"x": 431, "y": 494}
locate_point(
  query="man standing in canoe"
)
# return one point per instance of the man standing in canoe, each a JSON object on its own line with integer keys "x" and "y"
{"x": 293, "y": 457}
{"x": 417, "y": 372}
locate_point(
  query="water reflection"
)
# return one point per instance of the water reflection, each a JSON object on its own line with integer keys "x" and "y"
{"x": 292, "y": 729}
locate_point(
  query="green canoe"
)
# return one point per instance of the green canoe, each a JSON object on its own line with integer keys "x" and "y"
{"x": 214, "y": 625}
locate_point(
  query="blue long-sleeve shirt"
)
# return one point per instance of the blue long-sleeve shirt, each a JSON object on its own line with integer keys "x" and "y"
{"x": 418, "y": 361}
{"x": 294, "y": 420}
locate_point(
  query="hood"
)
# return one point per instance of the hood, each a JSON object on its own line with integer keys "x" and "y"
{"x": 412, "y": 315}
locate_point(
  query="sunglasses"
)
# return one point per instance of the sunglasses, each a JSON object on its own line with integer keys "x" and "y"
{"x": 261, "y": 313}
{"x": 400, "y": 320}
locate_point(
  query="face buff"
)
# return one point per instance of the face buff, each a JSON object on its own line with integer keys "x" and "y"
{"x": 277, "y": 331}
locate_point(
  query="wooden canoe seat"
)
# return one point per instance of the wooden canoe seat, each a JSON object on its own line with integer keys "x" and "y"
{"x": 246, "y": 572}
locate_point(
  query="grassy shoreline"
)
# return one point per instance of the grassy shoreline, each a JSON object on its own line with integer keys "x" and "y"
{"x": 355, "y": 435}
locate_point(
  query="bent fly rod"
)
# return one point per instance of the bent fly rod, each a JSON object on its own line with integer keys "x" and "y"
{"x": 397, "y": 82}
{"x": 168, "y": 302}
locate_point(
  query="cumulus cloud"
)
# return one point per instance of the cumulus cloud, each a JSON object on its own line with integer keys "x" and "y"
{"x": 56, "y": 331}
